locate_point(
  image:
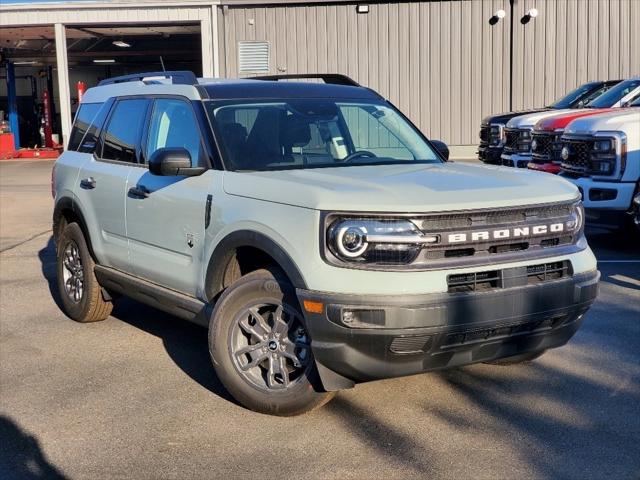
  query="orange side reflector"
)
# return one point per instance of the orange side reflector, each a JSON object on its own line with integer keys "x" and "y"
{"x": 313, "y": 307}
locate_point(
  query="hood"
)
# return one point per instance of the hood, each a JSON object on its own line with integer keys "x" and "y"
{"x": 529, "y": 120}
{"x": 402, "y": 188}
{"x": 622, "y": 119}
{"x": 503, "y": 118}
{"x": 553, "y": 123}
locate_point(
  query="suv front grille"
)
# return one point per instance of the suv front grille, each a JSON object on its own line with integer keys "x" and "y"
{"x": 495, "y": 279}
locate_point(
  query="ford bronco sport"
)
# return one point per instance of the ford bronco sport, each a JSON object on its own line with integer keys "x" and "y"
{"x": 321, "y": 238}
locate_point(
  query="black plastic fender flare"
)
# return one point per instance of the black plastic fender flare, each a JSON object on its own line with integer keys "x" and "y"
{"x": 222, "y": 254}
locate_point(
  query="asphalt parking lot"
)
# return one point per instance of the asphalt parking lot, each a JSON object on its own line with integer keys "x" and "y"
{"x": 135, "y": 396}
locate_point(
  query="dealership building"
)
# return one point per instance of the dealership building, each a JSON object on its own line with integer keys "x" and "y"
{"x": 445, "y": 63}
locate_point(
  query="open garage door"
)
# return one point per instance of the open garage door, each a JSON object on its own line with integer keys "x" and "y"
{"x": 93, "y": 52}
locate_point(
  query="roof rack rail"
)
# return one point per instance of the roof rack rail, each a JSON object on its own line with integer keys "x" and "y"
{"x": 179, "y": 77}
{"x": 333, "y": 78}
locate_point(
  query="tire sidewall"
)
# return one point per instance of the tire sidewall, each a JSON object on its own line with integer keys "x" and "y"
{"x": 257, "y": 287}
{"x": 72, "y": 232}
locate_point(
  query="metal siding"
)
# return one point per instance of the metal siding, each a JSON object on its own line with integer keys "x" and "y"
{"x": 439, "y": 61}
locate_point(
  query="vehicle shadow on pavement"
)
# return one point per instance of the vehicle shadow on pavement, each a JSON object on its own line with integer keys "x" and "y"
{"x": 186, "y": 343}
{"x": 47, "y": 256}
{"x": 387, "y": 441}
{"x": 21, "y": 456}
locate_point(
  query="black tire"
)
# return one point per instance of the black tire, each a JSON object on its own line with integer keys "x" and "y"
{"x": 262, "y": 289}
{"x": 523, "y": 357}
{"x": 87, "y": 303}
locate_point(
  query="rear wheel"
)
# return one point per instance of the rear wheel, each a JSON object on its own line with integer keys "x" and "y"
{"x": 79, "y": 290}
{"x": 523, "y": 357}
{"x": 261, "y": 349}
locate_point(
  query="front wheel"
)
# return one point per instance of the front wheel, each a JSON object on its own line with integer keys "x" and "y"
{"x": 261, "y": 349}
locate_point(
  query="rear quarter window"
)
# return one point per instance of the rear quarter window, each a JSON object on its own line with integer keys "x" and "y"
{"x": 85, "y": 116}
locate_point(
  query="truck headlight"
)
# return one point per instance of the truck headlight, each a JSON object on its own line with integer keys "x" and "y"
{"x": 496, "y": 134}
{"x": 524, "y": 141}
{"x": 370, "y": 240}
{"x": 603, "y": 156}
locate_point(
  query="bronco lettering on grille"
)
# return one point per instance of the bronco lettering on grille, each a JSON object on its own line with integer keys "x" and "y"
{"x": 504, "y": 233}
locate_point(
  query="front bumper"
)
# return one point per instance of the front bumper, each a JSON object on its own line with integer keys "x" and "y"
{"x": 419, "y": 333}
{"x": 490, "y": 155}
{"x": 515, "y": 160}
{"x": 548, "y": 167}
{"x": 606, "y": 203}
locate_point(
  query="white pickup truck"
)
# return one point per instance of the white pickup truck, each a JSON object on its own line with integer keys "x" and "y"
{"x": 601, "y": 156}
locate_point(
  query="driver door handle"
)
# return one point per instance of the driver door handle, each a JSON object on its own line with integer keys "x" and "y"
{"x": 88, "y": 183}
{"x": 139, "y": 191}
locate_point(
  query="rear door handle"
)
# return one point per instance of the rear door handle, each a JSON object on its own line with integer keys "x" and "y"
{"x": 88, "y": 183}
{"x": 139, "y": 191}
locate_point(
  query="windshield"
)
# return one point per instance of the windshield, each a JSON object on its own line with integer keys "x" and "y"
{"x": 314, "y": 133}
{"x": 615, "y": 94}
{"x": 573, "y": 97}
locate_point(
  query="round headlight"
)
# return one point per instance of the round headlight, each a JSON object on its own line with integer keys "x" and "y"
{"x": 350, "y": 241}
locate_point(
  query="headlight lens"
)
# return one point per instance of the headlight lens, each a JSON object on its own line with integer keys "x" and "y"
{"x": 496, "y": 134}
{"x": 524, "y": 141}
{"x": 383, "y": 241}
{"x": 603, "y": 145}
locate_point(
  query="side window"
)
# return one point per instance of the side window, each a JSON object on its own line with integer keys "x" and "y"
{"x": 122, "y": 134}
{"x": 173, "y": 124}
{"x": 84, "y": 118}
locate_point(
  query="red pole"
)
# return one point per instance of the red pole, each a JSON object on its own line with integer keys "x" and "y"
{"x": 82, "y": 87}
{"x": 48, "y": 141}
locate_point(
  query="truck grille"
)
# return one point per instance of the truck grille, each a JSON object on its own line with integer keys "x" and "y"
{"x": 484, "y": 134}
{"x": 511, "y": 139}
{"x": 579, "y": 155}
{"x": 548, "y": 147}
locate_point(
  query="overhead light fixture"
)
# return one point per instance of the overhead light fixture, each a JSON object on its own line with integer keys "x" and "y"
{"x": 499, "y": 15}
{"x": 104, "y": 60}
{"x": 532, "y": 13}
{"x": 121, "y": 44}
{"x": 362, "y": 9}
{"x": 25, "y": 62}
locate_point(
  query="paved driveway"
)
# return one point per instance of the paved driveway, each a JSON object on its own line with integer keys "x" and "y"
{"x": 135, "y": 396}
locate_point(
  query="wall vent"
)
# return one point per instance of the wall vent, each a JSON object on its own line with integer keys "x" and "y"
{"x": 253, "y": 57}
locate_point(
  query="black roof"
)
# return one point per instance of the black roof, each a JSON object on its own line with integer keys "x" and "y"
{"x": 265, "y": 89}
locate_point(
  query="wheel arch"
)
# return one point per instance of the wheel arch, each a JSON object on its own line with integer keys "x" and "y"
{"x": 224, "y": 264}
{"x": 67, "y": 211}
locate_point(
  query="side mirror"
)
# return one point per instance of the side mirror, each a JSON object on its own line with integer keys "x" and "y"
{"x": 442, "y": 148}
{"x": 173, "y": 161}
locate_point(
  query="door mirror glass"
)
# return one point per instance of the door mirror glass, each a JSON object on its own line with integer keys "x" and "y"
{"x": 173, "y": 161}
{"x": 441, "y": 147}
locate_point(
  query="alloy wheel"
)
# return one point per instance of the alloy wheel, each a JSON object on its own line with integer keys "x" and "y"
{"x": 269, "y": 346}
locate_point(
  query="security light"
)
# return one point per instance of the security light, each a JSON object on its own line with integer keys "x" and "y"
{"x": 500, "y": 14}
{"x": 362, "y": 9}
{"x": 531, "y": 13}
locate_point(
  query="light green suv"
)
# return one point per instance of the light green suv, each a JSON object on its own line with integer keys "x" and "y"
{"x": 321, "y": 238}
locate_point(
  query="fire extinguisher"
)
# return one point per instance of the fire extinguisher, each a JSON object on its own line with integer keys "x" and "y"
{"x": 46, "y": 102}
{"x": 82, "y": 87}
